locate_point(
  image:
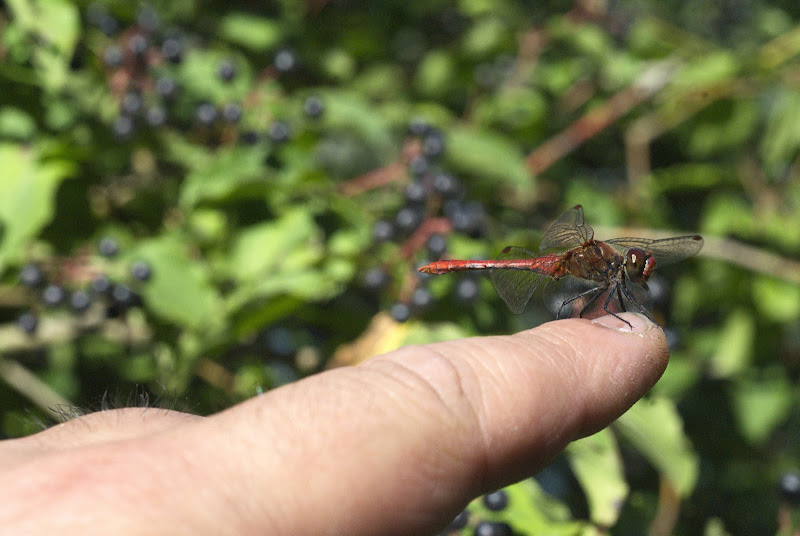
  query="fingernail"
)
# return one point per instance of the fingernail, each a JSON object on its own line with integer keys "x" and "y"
{"x": 632, "y": 323}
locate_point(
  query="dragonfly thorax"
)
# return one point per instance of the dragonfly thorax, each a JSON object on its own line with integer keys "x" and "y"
{"x": 639, "y": 264}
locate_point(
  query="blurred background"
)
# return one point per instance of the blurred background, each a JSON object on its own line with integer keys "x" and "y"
{"x": 200, "y": 203}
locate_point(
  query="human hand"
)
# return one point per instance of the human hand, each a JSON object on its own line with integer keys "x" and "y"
{"x": 397, "y": 445}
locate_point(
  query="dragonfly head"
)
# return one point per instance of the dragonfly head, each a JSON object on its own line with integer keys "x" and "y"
{"x": 639, "y": 264}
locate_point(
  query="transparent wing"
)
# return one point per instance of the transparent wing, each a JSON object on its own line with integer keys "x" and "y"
{"x": 666, "y": 251}
{"x": 568, "y": 231}
{"x": 516, "y": 287}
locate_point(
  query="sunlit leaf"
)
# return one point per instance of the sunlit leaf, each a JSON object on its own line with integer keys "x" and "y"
{"x": 655, "y": 428}
{"x": 597, "y": 465}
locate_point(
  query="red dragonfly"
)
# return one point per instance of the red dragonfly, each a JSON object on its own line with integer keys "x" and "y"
{"x": 613, "y": 273}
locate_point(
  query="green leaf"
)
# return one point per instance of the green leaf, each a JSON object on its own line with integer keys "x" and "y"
{"x": 596, "y": 462}
{"x": 288, "y": 244}
{"x": 180, "y": 289}
{"x": 250, "y": 31}
{"x": 487, "y": 156}
{"x": 27, "y": 197}
{"x": 531, "y": 511}
{"x": 735, "y": 345}
{"x": 350, "y": 112}
{"x": 655, "y": 428}
{"x": 776, "y": 299}
{"x": 218, "y": 176}
{"x": 762, "y": 404}
{"x": 198, "y": 76}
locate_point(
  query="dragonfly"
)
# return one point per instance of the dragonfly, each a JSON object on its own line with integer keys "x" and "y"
{"x": 604, "y": 277}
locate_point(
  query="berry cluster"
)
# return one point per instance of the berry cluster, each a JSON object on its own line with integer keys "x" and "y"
{"x": 435, "y": 205}
{"x": 78, "y": 284}
{"x": 496, "y": 501}
{"x": 140, "y": 62}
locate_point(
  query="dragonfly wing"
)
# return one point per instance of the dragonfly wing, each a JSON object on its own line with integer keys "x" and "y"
{"x": 568, "y": 231}
{"x": 666, "y": 251}
{"x": 516, "y": 287}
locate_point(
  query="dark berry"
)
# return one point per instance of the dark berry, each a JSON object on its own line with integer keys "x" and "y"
{"x": 80, "y": 300}
{"x": 280, "y": 341}
{"x": 53, "y": 295}
{"x": 147, "y": 18}
{"x": 232, "y": 112}
{"x": 108, "y": 247}
{"x": 112, "y": 56}
{"x": 433, "y": 144}
{"x": 418, "y": 127}
{"x": 122, "y": 295}
{"x": 790, "y": 488}
{"x": 383, "y": 231}
{"x": 101, "y": 284}
{"x": 313, "y": 106}
{"x": 673, "y": 338}
{"x": 206, "y": 114}
{"x": 131, "y": 103}
{"x": 467, "y": 290}
{"x": 172, "y": 49}
{"x": 421, "y": 298}
{"x": 400, "y": 311}
{"x": 416, "y": 192}
{"x": 407, "y": 219}
{"x": 166, "y": 87}
{"x": 436, "y": 245}
{"x": 108, "y": 25}
{"x": 156, "y": 116}
{"x": 138, "y": 44}
{"x": 375, "y": 279}
{"x": 445, "y": 184}
{"x": 468, "y": 218}
{"x": 28, "y": 322}
{"x": 278, "y": 132}
{"x": 285, "y": 60}
{"x": 460, "y": 521}
{"x": 123, "y": 127}
{"x": 250, "y": 137}
{"x": 141, "y": 270}
{"x": 418, "y": 166}
{"x": 490, "y": 528}
{"x": 226, "y": 70}
{"x": 31, "y": 275}
{"x": 496, "y": 501}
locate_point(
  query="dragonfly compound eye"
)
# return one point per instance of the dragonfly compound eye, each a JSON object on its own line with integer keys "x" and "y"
{"x": 639, "y": 265}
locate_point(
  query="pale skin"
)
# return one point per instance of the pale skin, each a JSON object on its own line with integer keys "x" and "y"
{"x": 395, "y": 446}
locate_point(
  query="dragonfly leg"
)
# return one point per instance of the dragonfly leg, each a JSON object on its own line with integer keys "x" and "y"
{"x": 634, "y": 301}
{"x": 597, "y": 291}
{"x": 616, "y": 292}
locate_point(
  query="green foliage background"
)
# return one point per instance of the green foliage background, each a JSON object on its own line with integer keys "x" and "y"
{"x": 687, "y": 119}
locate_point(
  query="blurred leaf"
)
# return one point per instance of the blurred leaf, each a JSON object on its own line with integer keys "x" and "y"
{"x": 16, "y": 124}
{"x": 288, "y": 244}
{"x": 217, "y": 176}
{"x": 251, "y": 31}
{"x": 655, "y": 428}
{"x": 56, "y": 22}
{"x": 531, "y": 511}
{"x": 487, "y": 156}
{"x": 27, "y": 197}
{"x": 776, "y": 300}
{"x": 762, "y": 404}
{"x": 435, "y": 75}
{"x": 180, "y": 289}
{"x": 596, "y": 463}
{"x": 349, "y": 112}
{"x": 198, "y": 75}
{"x": 734, "y": 348}
{"x": 781, "y": 141}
